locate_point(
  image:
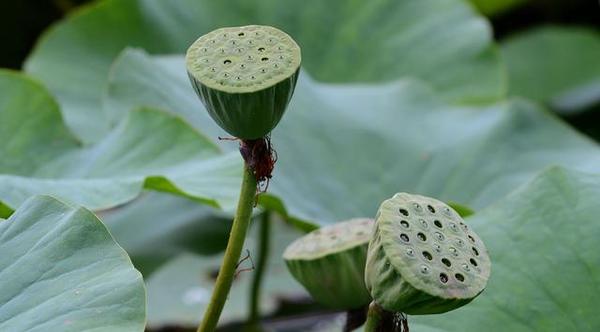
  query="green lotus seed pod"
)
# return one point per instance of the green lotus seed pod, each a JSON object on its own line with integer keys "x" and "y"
{"x": 330, "y": 263}
{"x": 423, "y": 258}
{"x": 245, "y": 77}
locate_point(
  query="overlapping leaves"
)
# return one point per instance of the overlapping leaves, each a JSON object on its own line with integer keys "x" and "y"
{"x": 441, "y": 42}
{"x": 148, "y": 149}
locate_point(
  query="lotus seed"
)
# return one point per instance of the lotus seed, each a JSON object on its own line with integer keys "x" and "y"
{"x": 427, "y": 255}
{"x": 443, "y": 278}
{"x": 439, "y": 236}
{"x": 422, "y": 237}
{"x": 430, "y": 208}
{"x": 404, "y": 223}
{"x": 475, "y": 251}
{"x": 437, "y": 223}
{"x": 459, "y": 277}
{"x": 446, "y": 262}
{"x": 473, "y": 261}
{"x": 404, "y": 212}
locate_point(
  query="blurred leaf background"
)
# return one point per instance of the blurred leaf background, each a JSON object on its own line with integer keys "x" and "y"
{"x": 494, "y": 105}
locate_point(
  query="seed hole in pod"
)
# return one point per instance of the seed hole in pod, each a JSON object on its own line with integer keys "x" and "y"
{"x": 404, "y": 212}
{"x": 225, "y": 75}
{"x": 437, "y": 223}
{"x": 460, "y": 242}
{"x": 253, "y": 77}
{"x": 241, "y": 34}
{"x": 453, "y": 251}
{"x": 233, "y": 42}
{"x": 279, "y": 48}
{"x": 410, "y": 252}
{"x": 424, "y": 269}
{"x": 204, "y": 49}
{"x": 249, "y": 57}
{"x": 261, "y": 49}
{"x": 427, "y": 255}
{"x": 422, "y": 236}
{"x": 446, "y": 262}
{"x": 437, "y": 248}
{"x": 475, "y": 251}
{"x": 430, "y": 208}
{"x": 471, "y": 238}
{"x": 466, "y": 267}
{"x": 423, "y": 223}
{"x": 242, "y": 66}
{"x": 453, "y": 227}
{"x": 459, "y": 277}
{"x": 263, "y": 70}
{"x": 213, "y": 69}
{"x": 213, "y": 41}
{"x": 443, "y": 278}
{"x": 238, "y": 78}
{"x": 439, "y": 236}
{"x": 226, "y": 62}
{"x": 417, "y": 207}
{"x": 222, "y": 50}
{"x": 404, "y": 223}
{"x": 281, "y": 57}
{"x": 473, "y": 261}
{"x": 404, "y": 237}
{"x": 264, "y": 59}
{"x": 276, "y": 66}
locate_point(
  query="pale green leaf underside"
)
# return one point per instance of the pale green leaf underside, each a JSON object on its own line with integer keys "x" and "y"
{"x": 62, "y": 271}
{"x": 148, "y": 149}
{"x": 545, "y": 263}
{"x": 442, "y": 42}
{"x": 558, "y": 66}
{"x": 345, "y": 148}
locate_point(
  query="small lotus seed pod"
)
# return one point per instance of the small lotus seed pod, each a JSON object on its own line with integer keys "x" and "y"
{"x": 330, "y": 263}
{"x": 245, "y": 77}
{"x": 423, "y": 258}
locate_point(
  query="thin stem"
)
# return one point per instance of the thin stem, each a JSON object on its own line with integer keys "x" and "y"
{"x": 374, "y": 317}
{"x": 264, "y": 239}
{"x": 232, "y": 253}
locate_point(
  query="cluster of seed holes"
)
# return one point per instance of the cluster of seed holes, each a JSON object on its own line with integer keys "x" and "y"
{"x": 438, "y": 236}
{"x": 241, "y": 49}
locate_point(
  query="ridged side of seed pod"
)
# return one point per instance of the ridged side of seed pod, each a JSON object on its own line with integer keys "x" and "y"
{"x": 330, "y": 263}
{"x": 423, "y": 258}
{"x": 247, "y": 115}
{"x": 245, "y": 77}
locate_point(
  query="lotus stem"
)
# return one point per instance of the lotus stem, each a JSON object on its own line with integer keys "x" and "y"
{"x": 232, "y": 253}
{"x": 374, "y": 317}
{"x": 263, "y": 256}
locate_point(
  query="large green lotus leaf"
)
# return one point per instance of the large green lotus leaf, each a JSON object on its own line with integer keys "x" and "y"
{"x": 558, "y": 66}
{"x": 345, "y": 148}
{"x": 62, "y": 271}
{"x": 149, "y": 148}
{"x": 443, "y": 42}
{"x": 179, "y": 291}
{"x": 545, "y": 259}
{"x": 158, "y": 227}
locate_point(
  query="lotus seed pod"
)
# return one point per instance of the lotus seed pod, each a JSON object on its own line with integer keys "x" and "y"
{"x": 245, "y": 77}
{"x": 423, "y": 258}
{"x": 330, "y": 263}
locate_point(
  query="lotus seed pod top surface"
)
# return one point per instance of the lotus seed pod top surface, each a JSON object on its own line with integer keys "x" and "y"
{"x": 243, "y": 59}
{"x": 433, "y": 249}
{"x": 331, "y": 239}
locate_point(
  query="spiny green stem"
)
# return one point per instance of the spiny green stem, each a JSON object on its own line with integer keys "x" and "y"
{"x": 232, "y": 253}
{"x": 264, "y": 239}
{"x": 374, "y": 317}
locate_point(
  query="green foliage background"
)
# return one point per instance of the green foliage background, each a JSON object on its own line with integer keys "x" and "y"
{"x": 406, "y": 95}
